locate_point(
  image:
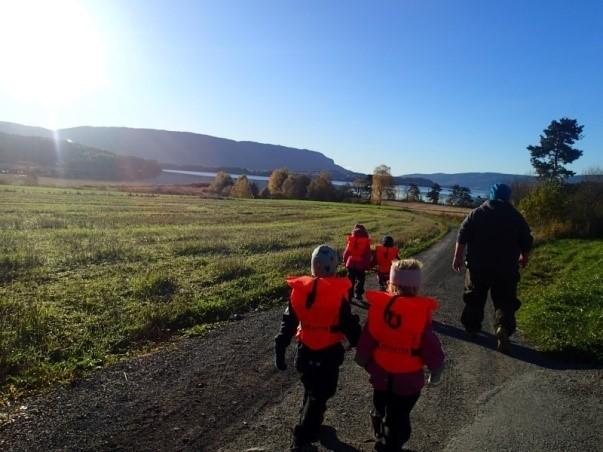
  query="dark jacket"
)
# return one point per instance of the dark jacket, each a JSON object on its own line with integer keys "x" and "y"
{"x": 349, "y": 325}
{"x": 495, "y": 235}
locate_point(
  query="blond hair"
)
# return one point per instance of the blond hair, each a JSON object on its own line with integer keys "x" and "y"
{"x": 404, "y": 264}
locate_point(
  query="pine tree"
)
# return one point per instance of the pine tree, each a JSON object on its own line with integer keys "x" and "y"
{"x": 434, "y": 194}
{"x": 555, "y": 149}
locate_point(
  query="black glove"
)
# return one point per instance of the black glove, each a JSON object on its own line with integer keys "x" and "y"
{"x": 279, "y": 359}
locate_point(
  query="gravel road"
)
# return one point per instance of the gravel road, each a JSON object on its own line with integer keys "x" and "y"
{"x": 219, "y": 392}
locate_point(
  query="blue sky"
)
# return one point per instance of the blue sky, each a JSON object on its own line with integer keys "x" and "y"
{"x": 419, "y": 85}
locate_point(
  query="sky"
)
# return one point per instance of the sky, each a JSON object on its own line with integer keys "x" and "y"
{"x": 422, "y": 86}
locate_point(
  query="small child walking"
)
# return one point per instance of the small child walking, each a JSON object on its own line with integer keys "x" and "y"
{"x": 396, "y": 343}
{"x": 357, "y": 259}
{"x": 320, "y": 316}
{"x": 384, "y": 255}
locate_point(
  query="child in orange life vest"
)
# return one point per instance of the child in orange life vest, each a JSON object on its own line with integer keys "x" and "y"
{"x": 384, "y": 255}
{"x": 320, "y": 316}
{"x": 396, "y": 343}
{"x": 357, "y": 259}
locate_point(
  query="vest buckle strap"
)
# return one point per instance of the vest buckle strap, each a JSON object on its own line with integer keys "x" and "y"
{"x": 401, "y": 350}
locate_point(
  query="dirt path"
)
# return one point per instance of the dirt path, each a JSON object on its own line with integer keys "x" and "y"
{"x": 219, "y": 392}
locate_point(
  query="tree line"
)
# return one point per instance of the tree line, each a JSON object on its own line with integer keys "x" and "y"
{"x": 282, "y": 184}
{"x": 374, "y": 188}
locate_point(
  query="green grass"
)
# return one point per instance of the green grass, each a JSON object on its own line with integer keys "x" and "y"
{"x": 562, "y": 295}
{"x": 88, "y": 276}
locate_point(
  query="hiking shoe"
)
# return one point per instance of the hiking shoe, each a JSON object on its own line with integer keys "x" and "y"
{"x": 502, "y": 340}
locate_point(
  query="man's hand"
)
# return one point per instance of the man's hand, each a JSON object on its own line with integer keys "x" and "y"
{"x": 457, "y": 263}
{"x": 523, "y": 260}
{"x": 279, "y": 359}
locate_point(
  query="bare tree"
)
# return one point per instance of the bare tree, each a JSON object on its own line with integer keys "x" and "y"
{"x": 383, "y": 184}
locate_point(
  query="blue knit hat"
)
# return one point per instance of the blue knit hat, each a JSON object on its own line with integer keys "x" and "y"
{"x": 500, "y": 191}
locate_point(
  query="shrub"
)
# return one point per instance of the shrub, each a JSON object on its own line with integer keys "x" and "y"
{"x": 555, "y": 209}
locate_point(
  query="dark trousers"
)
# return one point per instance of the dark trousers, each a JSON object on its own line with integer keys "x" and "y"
{"x": 503, "y": 290}
{"x": 319, "y": 377}
{"x": 383, "y": 279}
{"x": 357, "y": 278}
{"x": 396, "y": 410}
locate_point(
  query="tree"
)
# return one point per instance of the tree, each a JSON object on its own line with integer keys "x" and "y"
{"x": 383, "y": 184}
{"x": 295, "y": 186}
{"x": 275, "y": 183}
{"x": 321, "y": 188}
{"x": 434, "y": 194}
{"x": 265, "y": 193}
{"x": 361, "y": 186}
{"x": 413, "y": 193}
{"x": 460, "y": 196}
{"x": 555, "y": 149}
{"x": 241, "y": 188}
{"x": 221, "y": 181}
{"x": 255, "y": 191}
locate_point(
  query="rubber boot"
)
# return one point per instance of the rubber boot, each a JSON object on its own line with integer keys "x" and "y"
{"x": 502, "y": 340}
{"x": 301, "y": 442}
{"x": 378, "y": 426}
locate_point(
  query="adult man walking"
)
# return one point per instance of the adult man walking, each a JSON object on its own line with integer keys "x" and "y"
{"x": 497, "y": 240}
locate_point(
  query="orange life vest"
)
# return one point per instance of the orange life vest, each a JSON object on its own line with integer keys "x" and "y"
{"x": 357, "y": 248}
{"x": 316, "y": 303}
{"x": 384, "y": 256}
{"x": 397, "y": 324}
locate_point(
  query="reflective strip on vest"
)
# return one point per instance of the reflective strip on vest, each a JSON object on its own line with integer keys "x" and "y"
{"x": 319, "y": 324}
{"x": 399, "y": 341}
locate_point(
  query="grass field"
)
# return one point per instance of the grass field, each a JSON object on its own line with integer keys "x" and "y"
{"x": 87, "y": 276}
{"x": 562, "y": 295}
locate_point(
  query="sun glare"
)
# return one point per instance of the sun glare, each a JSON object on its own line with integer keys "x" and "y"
{"x": 50, "y": 51}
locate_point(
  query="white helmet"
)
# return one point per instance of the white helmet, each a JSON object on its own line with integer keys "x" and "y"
{"x": 324, "y": 261}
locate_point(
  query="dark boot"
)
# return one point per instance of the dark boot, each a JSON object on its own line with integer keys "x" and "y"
{"x": 378, "y": 426}
{"x": 502, "y": 340}
{"x": 301, "y": 440}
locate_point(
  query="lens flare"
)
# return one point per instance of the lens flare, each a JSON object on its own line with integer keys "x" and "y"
{"x": 51, "y": 52}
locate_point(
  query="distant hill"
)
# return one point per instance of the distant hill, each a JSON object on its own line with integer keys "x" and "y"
{"x": 475, "y": 181}
{"x": 483, "y": 181}
{"x": 65, "y": 159}
{"x": 187, "y": 150}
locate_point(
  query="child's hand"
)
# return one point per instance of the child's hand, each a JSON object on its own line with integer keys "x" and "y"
{"x": 435, "y": 376}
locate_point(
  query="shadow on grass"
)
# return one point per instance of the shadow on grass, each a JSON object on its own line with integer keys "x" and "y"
{"x": 520, "y": 352}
